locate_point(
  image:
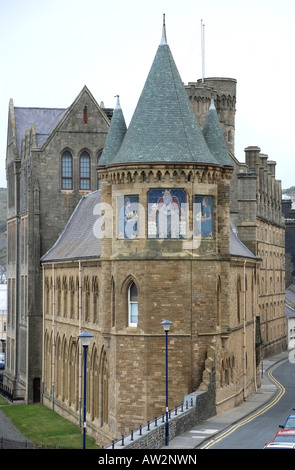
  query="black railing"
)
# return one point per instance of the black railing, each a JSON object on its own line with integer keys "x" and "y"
{"x": 6, "y": 392}
{"x": 10, "y": 444}
{"x": 138, "y": 432}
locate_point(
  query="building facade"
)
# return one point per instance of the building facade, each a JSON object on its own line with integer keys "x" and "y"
{"x": 289, "y": 214}
{"x": 255, "y": 209}
{"x": 178, "y": 230}
{"x": 51, "y": 162}
{"x": 3, "y": 315}
{"x": 163, "y": 245}
{"x": 290, "y": 313}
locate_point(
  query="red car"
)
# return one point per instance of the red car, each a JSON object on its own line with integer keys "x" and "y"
{"x": 283, "y": 436}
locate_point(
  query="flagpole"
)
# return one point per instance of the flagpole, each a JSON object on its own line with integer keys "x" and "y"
{"x": 203, "y": 49}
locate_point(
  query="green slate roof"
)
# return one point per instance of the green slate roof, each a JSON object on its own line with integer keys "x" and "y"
{"x": 164, "y": 127}
{"x": 214, "y": 137}
{"x": 115, "y": 135}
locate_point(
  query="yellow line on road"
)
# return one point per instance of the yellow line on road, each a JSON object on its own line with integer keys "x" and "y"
{"x": 254, "y": 415}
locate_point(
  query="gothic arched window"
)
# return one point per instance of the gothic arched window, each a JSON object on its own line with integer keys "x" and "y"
{"x": 66, "y": 171}
{"x": 132, "y": 305}
{"x": 85, "y": 171}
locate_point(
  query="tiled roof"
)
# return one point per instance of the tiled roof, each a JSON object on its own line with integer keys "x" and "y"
{"x": 237, "y": 248}
{"x": 81, "y": 237}
{"x": 115, "y": 135}
{"x": 290, "y": 294}
{"x": 164, "y": 127}
{"x": 44, "y": 120}
{"x": 214, "y": 137}
{"x": 289, "y": 311}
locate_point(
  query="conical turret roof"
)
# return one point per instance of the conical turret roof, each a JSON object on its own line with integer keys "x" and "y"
{"x": 164, "y": 127}
{"x": 214, "y": 137}
{"x": 115, "y": 135}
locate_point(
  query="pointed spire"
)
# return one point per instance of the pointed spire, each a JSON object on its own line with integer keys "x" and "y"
{"x": 212, "y": 105}
{"x": 118, "y": 102}
{"x": 214, "y": 137}
{"x": 115, "y": 135}
{"x": 164, "y": 37}
{"x": 164, "y": 127}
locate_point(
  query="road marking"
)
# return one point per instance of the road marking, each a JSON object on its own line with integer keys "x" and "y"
{"x": 282, "y": 390}
{"x": 205, "y": 431}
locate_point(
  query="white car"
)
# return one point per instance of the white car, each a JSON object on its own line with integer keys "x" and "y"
{"x": 280, "y": 445}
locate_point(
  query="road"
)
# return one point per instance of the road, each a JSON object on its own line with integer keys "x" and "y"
{"x": 262, "y": 425}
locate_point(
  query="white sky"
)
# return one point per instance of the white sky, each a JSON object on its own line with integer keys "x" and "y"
{"x": 50, "y": 49}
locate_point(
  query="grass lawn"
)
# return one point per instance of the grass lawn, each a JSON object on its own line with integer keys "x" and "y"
{"x": 44, "y": 427}
{"x": 2, "y": 401}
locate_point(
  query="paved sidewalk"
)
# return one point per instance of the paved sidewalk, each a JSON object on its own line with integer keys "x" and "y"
{"x": 10, "y": 432}
{"x": 216, "y": 424}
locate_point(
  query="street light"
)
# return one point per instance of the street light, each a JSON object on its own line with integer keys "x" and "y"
{"x": 85, "y": 338}
{"x": 166, "y": 325}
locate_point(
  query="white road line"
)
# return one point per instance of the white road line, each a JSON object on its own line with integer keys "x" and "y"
{"x": 206, "y": 431}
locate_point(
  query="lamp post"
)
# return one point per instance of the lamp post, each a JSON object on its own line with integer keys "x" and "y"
{"x": 166, "y": 325}
{"x": 85, "y": 338}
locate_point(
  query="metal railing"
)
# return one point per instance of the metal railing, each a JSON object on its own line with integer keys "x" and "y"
{"x": 150, "y": 426}
{"x": 6, "y": 392}
{"x": 10, "y": 444}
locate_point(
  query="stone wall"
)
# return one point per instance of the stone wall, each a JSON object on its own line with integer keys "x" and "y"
{"x": 154, "y": 438}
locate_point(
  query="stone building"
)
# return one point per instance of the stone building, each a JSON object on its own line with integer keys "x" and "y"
{"x": 3, "y": 315}
{"x": 290, "y": 313}
{"x": 159, "y": 241}
{"x": 51, "y": 162}
{"x": 255, "y": 210}
{"x": 178, "y": 230}
{"x": 289, "y": 214}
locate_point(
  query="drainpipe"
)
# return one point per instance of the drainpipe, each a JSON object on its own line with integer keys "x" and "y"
{"x": 43, "y": 334}
{"x": 254, "y": 329}
{"x": 244, "y": 336}
{"x": 53, "y": 338}
{"x": 79, "y": 345}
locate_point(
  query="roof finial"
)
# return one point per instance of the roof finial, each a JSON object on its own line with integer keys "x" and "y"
{"x": 118, "y": 101}
{"x": 164, "y": 39}
{"x": 212, "y": 104}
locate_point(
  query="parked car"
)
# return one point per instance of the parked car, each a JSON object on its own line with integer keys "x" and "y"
{"x": 289, "y": 423}
{"x": 284, "y": 436}
{"x": 280, "y": 445}
{"x": 2, "y": 360}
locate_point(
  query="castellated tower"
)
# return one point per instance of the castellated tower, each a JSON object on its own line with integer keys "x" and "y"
{"x": 223, "y": 91}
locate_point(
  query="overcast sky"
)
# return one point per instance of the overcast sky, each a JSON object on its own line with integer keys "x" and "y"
{"x": 50, "y": 49}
